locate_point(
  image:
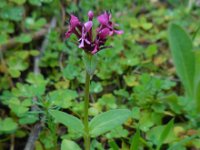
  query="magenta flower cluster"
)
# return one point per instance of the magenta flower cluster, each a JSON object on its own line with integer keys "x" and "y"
{"x": 84, "y": 33}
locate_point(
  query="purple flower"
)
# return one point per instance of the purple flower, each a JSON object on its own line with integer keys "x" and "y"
{"x": 83, "y": 31}
{"x": 75, "y": 25}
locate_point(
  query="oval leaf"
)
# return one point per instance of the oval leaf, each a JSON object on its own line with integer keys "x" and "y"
{"x": 69, "y": 145}
{"x": 108, "y": 120}
{"x": 183, "y": 57}
{"x": 68, "y": 120}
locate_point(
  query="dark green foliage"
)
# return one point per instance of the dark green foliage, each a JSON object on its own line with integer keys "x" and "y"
{"x": 139, "y": 73}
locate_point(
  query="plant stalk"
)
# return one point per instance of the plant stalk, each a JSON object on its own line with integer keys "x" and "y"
{"x": 86, "y": 106}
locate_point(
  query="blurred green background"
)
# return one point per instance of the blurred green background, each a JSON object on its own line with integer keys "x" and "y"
{"x": 40, "y": 70}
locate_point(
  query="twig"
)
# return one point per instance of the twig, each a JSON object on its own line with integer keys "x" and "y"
{"x": 60, "y": 62}
{"x": 33, "y": 136}
{"x": 12, "y": 142}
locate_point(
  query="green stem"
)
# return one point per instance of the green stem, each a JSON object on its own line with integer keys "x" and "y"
{"x": 86, "y": 105}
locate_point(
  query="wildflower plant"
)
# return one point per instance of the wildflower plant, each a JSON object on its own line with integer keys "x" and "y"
{"x": 92, "y": 41}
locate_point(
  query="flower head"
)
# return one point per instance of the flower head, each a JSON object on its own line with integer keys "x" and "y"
{"x": 83, "y": 31}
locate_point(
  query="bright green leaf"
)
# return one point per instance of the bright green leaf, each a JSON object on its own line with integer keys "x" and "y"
{"x": 69, "y": 145}
{"x": 62, "y": 98}
{"x": 7, "y": 125}
{"x": 68, "y": 120}
{"x": 106, "y": 121}
{"x": 183, "y": 56}
{"x": 70, "y": 71}
{"x": 24, "y": 38}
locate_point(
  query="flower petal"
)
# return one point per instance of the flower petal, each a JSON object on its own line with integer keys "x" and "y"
{"x": 81, "y": 45}
{"x": 88, "y": 42}
{"x": 119, "y": 31}
{"x": 104, "y": 33}
{"x": 88, "y": 26}
{"x": 95, "y": 50}
{"x": 74, "y": 21}
{"x": 103, "y": 18}
{"x": 68, "y": 33}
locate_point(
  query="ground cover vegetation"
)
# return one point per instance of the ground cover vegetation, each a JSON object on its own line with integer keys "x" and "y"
{"x": 144, "y": 75}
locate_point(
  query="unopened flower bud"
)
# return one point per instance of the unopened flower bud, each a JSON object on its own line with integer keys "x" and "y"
{"x": 90, "y": 15}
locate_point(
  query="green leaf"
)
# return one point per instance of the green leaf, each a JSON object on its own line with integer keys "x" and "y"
{"x": 117, "y": 132}
{"x": 165, "y": 133}
{"x": 136, "y": 113}
{"x": 3, "y": 37}
{"x": 108, "y": 100}
{"x": 130, "y": 80}
{"x": 145, "y": 121}
{"x": 36, "y": 2}
{"x": 7, "y": 125}
{"x": 69, "y": 145}
{"x": 62, "y": 98}
{"x": 113, "y": 145}
{"x": 151, "y": 50}
{"x": 95, "y": 87}
{"x": 18, "y": 106}
{"x": 146, "y": 26}
{"x": 68, "y": 120}
{"x": 70, "y": 71}
{"x": 12, "y": 13}
{"x": 24, "y": 38}
{"x": 6, "y": 27}
{"x": 34, "y": 52}
{"x": 90, "y": 62}
{"x": 28, "y": 119}
{"x": 135, "y": 141}
{"x": 95, "y": 145}
{"x": 16, "y": 64}
{"x": 36, "y": 79}
{"x": 106, "y": 121}
{"x": 197, "y": 78}
{"x": 183, "y": 57}
{"x": 14, "y": 73}
{"x": 19, "y": 2}
{"x": 48, "y": 140}
{"x": 182, "y": 142}
{"x": 122, "y": 93}
{"x": 31, "y": 23}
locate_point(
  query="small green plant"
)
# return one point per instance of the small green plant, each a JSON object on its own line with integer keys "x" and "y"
{"x": 91, "y": 44}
